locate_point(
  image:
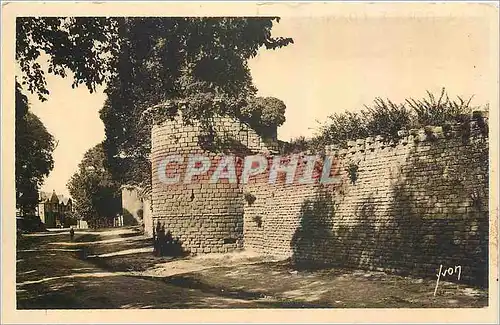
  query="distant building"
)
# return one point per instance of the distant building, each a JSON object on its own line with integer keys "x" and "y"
{"x": 82, "y": 224}
{"x": 136, "y": 208}
{"x": 53, "y": 208}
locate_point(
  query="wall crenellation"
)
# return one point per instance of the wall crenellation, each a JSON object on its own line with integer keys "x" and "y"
{"x": 476, "y": 127}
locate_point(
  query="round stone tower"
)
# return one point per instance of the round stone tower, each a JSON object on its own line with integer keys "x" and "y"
{"x": 203, "y": 216}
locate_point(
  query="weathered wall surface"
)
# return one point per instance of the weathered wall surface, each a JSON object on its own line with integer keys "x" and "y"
{"x": 272, "y": 210}
{"x": 132, "y": 206}
{"x": 413, "y": 207}
{"x": 205, "y": 217}
{"x": 147, "y": 217}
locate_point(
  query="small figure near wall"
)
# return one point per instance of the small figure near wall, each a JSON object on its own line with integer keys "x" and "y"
{"x": 72, "y": 233}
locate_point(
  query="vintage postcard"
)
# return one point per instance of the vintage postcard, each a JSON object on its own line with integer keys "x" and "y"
{"x": 249, "y": 162}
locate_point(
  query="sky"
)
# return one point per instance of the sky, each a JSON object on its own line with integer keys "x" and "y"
{"x": 336, "y": 64}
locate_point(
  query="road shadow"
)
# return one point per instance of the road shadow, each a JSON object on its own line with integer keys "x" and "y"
{"x": 111, "y": 292}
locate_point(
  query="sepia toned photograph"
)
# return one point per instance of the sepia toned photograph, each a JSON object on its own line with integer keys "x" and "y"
{"x": 336, "y": 160}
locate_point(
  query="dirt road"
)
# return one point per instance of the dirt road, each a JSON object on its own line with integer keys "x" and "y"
{"x": 116, "y": 269}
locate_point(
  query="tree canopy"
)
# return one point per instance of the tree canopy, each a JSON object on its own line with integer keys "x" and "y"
{"x": 97, "y": 196}
{"x": 197, "y": 66}
{"x": 33, "y": 152}
{"x": 83, "y": 45}
{"x": 180, "y": 55}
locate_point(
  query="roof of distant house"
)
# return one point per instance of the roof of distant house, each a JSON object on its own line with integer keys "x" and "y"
{"x": 65, "y": 200}
{"x": 47, "y": 197}
{"x": 44, "y": 196}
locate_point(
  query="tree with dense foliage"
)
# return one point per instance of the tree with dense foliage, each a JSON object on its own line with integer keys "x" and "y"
{"x": 264, "y": 114}
{"x": 196, "y": 66}
{"x": 97, "y": 197}
{"x": 163, "y": 57}
{"x": 33, "y": 153}
{"x": 81, "y": 45}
